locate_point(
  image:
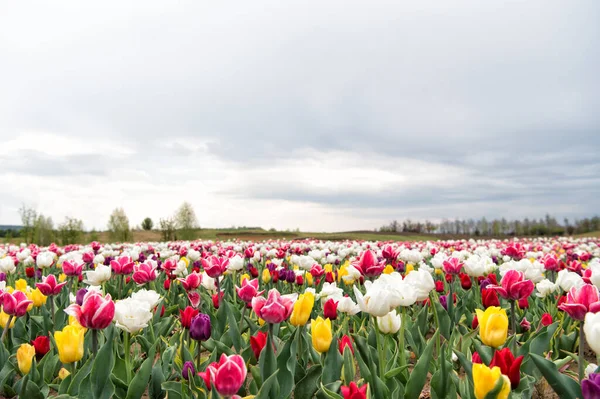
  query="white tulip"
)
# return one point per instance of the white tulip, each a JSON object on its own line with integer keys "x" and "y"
{"x": 330, "y": 290}
{"x": 567, "y": 280}
{"x": 390, "y": 323}
{"x": 132, "y": 315}
{"x": 347, "y": 305}
{"x": 591, "y": 327}
{"x": 353, "y": 275}
{"x": 236, "y": 263}
{"x": 45, "y": 259}
{"x": 99, "y": 259}
{"x": 181, "y": 269}
{"x": 545, "y": 288}
{"x": 7, "y": 265}
{"x": 99, "y": 275}
{"x": 149, "y": 297}
{"x": 422, "y": 282}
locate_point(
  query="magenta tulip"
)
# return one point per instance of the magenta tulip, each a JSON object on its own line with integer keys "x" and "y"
{"x": 514, "y": 286}
{"x": 581, "y": 301}
{"x": 49, "y": 286}
{"x": 274, "y": 309}
{"x": 97, "y": 312}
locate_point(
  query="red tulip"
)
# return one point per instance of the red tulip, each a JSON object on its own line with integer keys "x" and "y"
{"x": 144, "y": 273}
{"x": 71, "y": 268}
{"x": 123, "y": 265}
{"x": 15, "y": 304}
{"x": 344, "y": 342}
{"x": 354, "y": 392}
{"x": 465, "y": 281}
{"x": 209, "y": 375}
{"x": 187, "y": 315}
{"x": 475, "y": 323}
{"x": 275, "y": 308}
{"x": 580, "y": 301}
{"x": 330, "y": 309}
{"x": 257, "y": 343}
{"x": 515, "y": 251}
{"x": 248, "y": 290}
{"x": 49, "y": 286}
{"x": 329, "y": 277}
{"x": 191, "y": 281}
{"x": 249, "y": 253}
{"x": 88, "y": 257}
{"x": 439, "y": 286}
{"x": 508, "y": 365}
{"x": 230, "y": 375}
{"x": 253, "y": 271}
{"x": 97, "y": 312}
{"x": 476, "y": 358}
{"x": 514, "y": 286}
{"x": 215, "y": 266}
{"x": 489, "y": 298}
{"x": 546, "y": 319}
{"x": 316, "y": 270}
{"x": 41, "y": 345}
{"x": 525, "y": 324}
{"x": 167, "y": 284}
{"x": 30, "y": 272}
{"x": 215, "y": 299}
{"x": 452, "y": 266}
{"x": 368, "y": 264}
{"x": 550, "y": 262}
{"x": 524, "y": 303}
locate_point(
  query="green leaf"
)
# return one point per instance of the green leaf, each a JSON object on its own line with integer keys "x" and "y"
{"x": 234, "y": 332}
{"x": 79, "y": 377}
{"x": 330, "y": 394}
{"x": 267, "y": 361}
{"x": 418, "y": 377}
{"x": 307, "y": 386}
{"x": 444, "y": 320}
{"x": 565, "y": 387}
{"x": 155, "y": 390}
{"x": 101, "y": 384}
{"x": 286, "y": 364}
{"x": 140, "y": 381}
{"x": 174, "y": 389}
{"x": 267, "y": 387}
{"x": 333, "y": 363}
{"x": 349, "y": 368}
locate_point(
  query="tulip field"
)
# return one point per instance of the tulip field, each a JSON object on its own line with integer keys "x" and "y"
{"x": 301, "y": 319}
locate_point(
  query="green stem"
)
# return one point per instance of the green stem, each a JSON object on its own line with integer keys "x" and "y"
{"x": 581, "y": 360}
{"x": 436, "y": 319}
{"x": 242, "y": 318}
{"x": 401, "y": 343}
{"x": 94, "y": 342}
{"x": 379, "y": 347}
{"x": 513, "y": 322}
{"x": 52, "y": 310}
{"x": 10, "y": 318}
{"x": 198, "y": 350}
{"x": 127, "y": 346}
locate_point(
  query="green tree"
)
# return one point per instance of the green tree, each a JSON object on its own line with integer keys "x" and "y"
{"x": 118, "y": 226}
{"x": 186, "y": 221}
{"x": 147, "y": 224}
{"x": 28, "y": 218}
{"x": 43, "y": 230}
{"x": 70, "y": 231}
{"x": 167, "y": 229}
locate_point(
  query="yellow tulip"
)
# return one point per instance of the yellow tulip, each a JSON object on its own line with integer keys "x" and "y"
{"x": 409, "y": 268}
{"x": 4, "y": 319}
{"x": 389, "y": 269}
{"x": 439, "y": 271}
{"x": 321, "y": 334}
{"x": 266, "y": 276}
{"x": 261, "y": 322}
{"x": 308, "y": 278}
{"x": 243, "y": 277}
{"x": 186, "y": 261}
{"x": 73, "y": 322}
{"x": 63, "y": 373}
{"x": 328, "y": 268}
{"x": 493, "y": 326}
{"x": 70, "y": 344}
{"x": 37, "y": 297}
{"x": 25, "y": 355}
{"x": 302, "y": 308}
{"x": 21, "y": 285}
{"x": 485, "y": 380}
{"x": 342, "y": 271}
{"x": 62, "y": 277}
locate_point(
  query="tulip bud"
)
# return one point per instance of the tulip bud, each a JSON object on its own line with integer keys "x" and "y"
{"x": 525, "y": 325}
{"x": 257, "y": 343}
{"x": 321, "y": 334}
{"x": 41, "y": 345}
{"x": 188, "y": 367}
{"x": 546, "y": 319}
{"x": 330, "y": 309}
{"x": 200, "y": 327}
{"x": 354, "y": 392}
{"x": 63, "y": 373}
{"x": 25, "y": 355}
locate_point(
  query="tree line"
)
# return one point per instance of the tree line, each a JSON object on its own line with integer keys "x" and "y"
{"x": 547, "y": 226}
{"x": 40, "y": 229}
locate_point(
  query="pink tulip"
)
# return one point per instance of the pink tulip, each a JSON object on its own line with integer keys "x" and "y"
{"x": 97, "y": 312}
{"x": 215, "y": 266}
{"x": 581, "y": 301}
{"x": 452, "y": 266}
{"x": 514, "y": 286}
{"x": 248, "y": 290}
{"x": 274, "y": 309}
{"x": 15, "y": 304}
{"x": 144, "y": 273}
{"x": 550, "y": 262}
{"x": 191, "y": 281}
{"x": 123, "y": 265}
{"x": 49, "y": 285}
{"x": 88, "y": 257}
{"x": 71, "y": 268}
{"x": 230, "y": 375}
{"x": 368, "y": 264}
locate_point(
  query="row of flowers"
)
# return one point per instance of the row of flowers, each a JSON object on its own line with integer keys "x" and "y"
{"x": 277, "y": 319}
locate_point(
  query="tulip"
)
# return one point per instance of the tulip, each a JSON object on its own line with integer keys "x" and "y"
{"x": 45, "y": 259}
{"x": 493, "y": 326}
{"x": 546, "y": 319}
{"x": 390, "y": 323}
{"x": 368, "y": 265}
{"x": 248, "y": 290}
{"x": 123, "y": 265}
{"x": 275, "y": 309}
{"x": 4, "y": 320}
{"x": 30, "y": 272}
{"x": 465, "y": 281}
{"x": 439, "y": 286}
{"x": 489, "y": 298}
{"x": 354, "y": 392}
{"x": 344, "y": 342}
{"x": 230, "y": 375}
{"x": 41, "y": 345}
{"x": 485, "y": 380}
{"x": 132, "y": 315}
{"x": 330, "y": 309}
{"x": 580, "y": 301}
{"x": 69, "y": 343}
{"x": 216, "y": 299}
{"x": 591, "y": 327}
{"x": 187, "y": 315}
{"x": 200, "y": 327}
{"x": 475, "y": 358}
{"x": 590, "y": 387}
{"x": 25, "y": 355}
{"x": 215, "y": 266}
{"x": 509, "y": 366}
{"x": 514, "y": 286}
{"x": 49, "y": 286}
{"x": 150, "y": 298}
{"x": 191, "y": 281}
{"x": 187, "y": 370}
{"x": 321, "y": 334}
{"x": 15, "y": 304}
{"x": 37, "y": 297}
{"x": 144, "y": 273}
{"x": 452, "y": 266}
{"x": 525, "y": 324}
{"x": 302, "y": 308}
{"x": 96, "y": 313}
{"x": 98, "y": 276}
{"x": 266, "y": 276}
{"x": 71, "y": 268}
{"x": 63, "y": 373}
{"x": 257, "y": 343}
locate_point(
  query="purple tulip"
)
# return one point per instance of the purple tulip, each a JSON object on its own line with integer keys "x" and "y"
{"x": 2, "y": 276}
{"x": 200, "y": 327}
{"x": 444, "y": 301}
{"x": 291, "y": 277}
{"x": 591, "y": 386}
{"x": 79, "y": 297}
{"x": 484, "y": 283}
{"x": 188, "y": 367}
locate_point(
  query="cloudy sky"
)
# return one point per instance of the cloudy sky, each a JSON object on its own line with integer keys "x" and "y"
{"x": 324, "y": 115}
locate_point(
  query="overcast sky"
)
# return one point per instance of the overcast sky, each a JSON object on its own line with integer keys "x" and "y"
{"x": 324, "y": 115}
